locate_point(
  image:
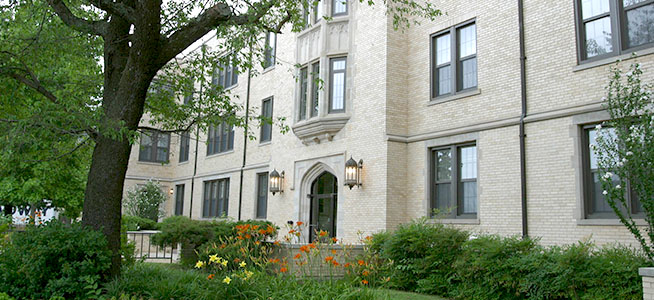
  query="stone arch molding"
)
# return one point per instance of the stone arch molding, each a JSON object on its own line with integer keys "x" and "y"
{"x": 308, "y": 171}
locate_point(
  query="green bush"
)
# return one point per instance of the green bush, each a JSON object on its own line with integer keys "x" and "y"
{"x": 153, "y": 281}
{"x": 134, "y": 223}
{"x": 53, "y": 260}
{"x": 145, "y": 201}
{"x": 442, "y": 260}
{"x": 422, "y": 254}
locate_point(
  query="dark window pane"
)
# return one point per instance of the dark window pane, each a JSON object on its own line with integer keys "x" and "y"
{"x": 443, "y": 165}
{"x": 598, "y": 37}
{"x": 262, "y": 195}
{"x": 179, "y": 200}
{"x": 266, "y": 127}
{"x": 600, "y": 204}
{"x": 444, "y": 80}
{"x": 443, "y": 196}
{"x": 315, "y": 75}
{"x": 640, "y": 25}
{"x": 303, "y": 94}
{"x": 628, "y": 3}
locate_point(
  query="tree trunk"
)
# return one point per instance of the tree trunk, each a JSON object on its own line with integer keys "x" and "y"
{"x": 104, "y": 192}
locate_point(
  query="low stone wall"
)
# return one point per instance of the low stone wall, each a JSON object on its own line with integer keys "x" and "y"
{"x": 648, "y": 282}
{"x": 316, "y": 263}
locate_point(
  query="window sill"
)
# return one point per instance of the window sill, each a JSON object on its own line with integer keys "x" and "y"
{"x": 153, "y": 163}
{"x": 219, "y": 154}
{"x": 268, "y": 69}
{"x": 610, "y": 60}
{"x": 456, "y": 221}
{"x": 319, "y": 129}
{"x": 607, "y": 222}
{"x": 266, "y": 143}
{"x": 460, "y": 95}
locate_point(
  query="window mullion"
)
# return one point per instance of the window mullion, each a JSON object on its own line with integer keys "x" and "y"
{"x": 616, "y": 11}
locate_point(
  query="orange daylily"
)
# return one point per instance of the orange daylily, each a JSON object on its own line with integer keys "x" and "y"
{"x": 329, "y": 258}
{"x": 365, "y": 273}
{"x": 364, "y": 281}
{"x": 283, "y": 270}
{"x": 299, "y": 223}
{"x": 335, "y": 263}
{"x": 210, "y": 276}
{"x": 335, "y": 240}
{"x": 312, "y": 246}
{"x": 361, "y": 262}
{"x": 346, "y": 265}
{"x": 333, "y": 251}
{"x": 297, "y": 256}
{"x": 322, "y": 233}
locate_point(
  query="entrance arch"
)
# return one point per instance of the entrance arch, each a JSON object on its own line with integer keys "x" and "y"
{"x": 323, "y": 205}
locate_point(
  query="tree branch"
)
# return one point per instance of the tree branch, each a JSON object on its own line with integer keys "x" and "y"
{"x": 116, "y": 8}
{"x": 79, "y": 24}
{"x": 201, "y": 25}
{"x": 178, "y": 130}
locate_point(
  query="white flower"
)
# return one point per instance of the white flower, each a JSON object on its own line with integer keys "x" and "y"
{"x": 620, "y": 164}
{"x": 618, "y": 186}
{"x": 604, "y": 192}
{"x": 629, "y": 153}
{"x": 598, "y": 127}
{"x": 608, "y": 175}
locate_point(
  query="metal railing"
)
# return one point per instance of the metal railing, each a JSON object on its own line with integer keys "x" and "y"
{"x": 146, "y": 250}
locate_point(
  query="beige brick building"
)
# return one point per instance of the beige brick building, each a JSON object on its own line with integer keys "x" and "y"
{"x": 434, "y": 111}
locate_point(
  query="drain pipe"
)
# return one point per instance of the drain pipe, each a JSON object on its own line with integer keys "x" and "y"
{"x": 523, "y": 98}
{"x": 197, "y": 143}
{"x": 245, "y": 134}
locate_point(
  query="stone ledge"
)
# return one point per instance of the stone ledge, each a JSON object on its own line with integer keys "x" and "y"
{"x": 646, "y": 272}
{"x": 319, "y": 129}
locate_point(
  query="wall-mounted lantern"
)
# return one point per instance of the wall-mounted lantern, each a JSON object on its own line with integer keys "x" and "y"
{"x": 276, "y": 182}
{"x": 171, "y": 191}
{"x": 353, "y": 173}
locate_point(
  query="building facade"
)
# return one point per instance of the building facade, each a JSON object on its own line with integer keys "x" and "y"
{"x": 485, "y": 114}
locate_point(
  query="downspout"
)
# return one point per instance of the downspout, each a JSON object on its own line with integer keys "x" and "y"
{"x": 523, "y": 92}
{"x": 245, "y": 133}
{"x": 197, "y": 142}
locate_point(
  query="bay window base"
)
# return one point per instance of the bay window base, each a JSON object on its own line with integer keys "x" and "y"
{"x": 318, "y": 130}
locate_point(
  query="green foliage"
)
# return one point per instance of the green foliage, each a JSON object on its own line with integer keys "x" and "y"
{"x": 53, "y": 260}
{"x": 421, "y": 250}
{"x": 4, "y": 296}
{"x": 443, "y": 260}
{"x": 134, "y": 223}
{"x": 628, "y": 152}
{"x": 145, "y": 201}
{"x": 152, "y": 281}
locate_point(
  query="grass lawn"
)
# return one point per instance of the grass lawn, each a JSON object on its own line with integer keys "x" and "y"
{"x": 398, "y": 295}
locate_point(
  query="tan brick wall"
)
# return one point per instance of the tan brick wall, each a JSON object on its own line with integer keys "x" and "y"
{"x": 648, "y": 286}
{"x": 388, "y": 97}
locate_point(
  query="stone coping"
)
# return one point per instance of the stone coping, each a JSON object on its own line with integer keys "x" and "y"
{"x": 646, "y": 272}
{"x": 335, "y": 246}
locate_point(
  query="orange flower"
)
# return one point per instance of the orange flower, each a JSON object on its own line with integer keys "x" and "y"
{"x": 361, "y": 262}
{"x": 329, "y": 258}
{"x": 236, "y": 260}
{"x": 368, "y": 238}
{"x": 292, "y": 231}
{"x": 255, "y": 227}
{"x": 333, "y": 251}
{"x": 248, "y": 236}
{"x": 365, "y": 273}
{"x": 283, "y": 270}
{"x": 346, "y": 265}
{"x": 364, "y": 281}
{"x": 335, "y": 263}
{"x": 335, "y": 240}
{"x": 210, "y": 276}
{"x": 274, "y": 261}
{"x": 300, "y": 223}
{"x": 297, "y": 256}
{"x": 312, "y": 246}
{"x": 322, "y": 233}
{"x": 262, "y": 232}
{"x": 240, "y": 237}
{"x": 270, "y": 229}
{"x": 222, "y": 246}
{"x": 304, "y": 248}
{"x": 257, "y": 243}
{"x": 276, "y": 243}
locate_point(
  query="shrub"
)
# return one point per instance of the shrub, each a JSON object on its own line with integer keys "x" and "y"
{"x": 53, "y": 260}
{"x": 134, "y": 223}
{"x": 421, "y": 251}
{"x": 145, "y": 201}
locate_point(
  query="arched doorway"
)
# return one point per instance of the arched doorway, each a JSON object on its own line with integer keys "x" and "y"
{"x": 324, "y": 196}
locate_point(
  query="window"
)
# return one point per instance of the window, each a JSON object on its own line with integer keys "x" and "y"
{"x": 317, "y": 12}
{"x": 179, "y": 199}
{"x": 270, "y": 51}
{"x": 227, "y": 73}
{"x": 262, "y": 195}
{"x": 184, "y": 146}
{"x": 339, "y": 7}
{"x": 188, "y": 97}
{"x": 303, "y": 94}
{"x": 612, "y": 27}
{"x": 337, "y": 85}
{"x": 154, "y": 146}
{"x": 216, "y": 198}
{"x": 454, "y": 60}
{"x": 454, "y": 181}
{"x": 595, "y": 203}
{"x": 220, "y": 138}
{"x": 267, "y": 113}
{"x": 315, "y": 88}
